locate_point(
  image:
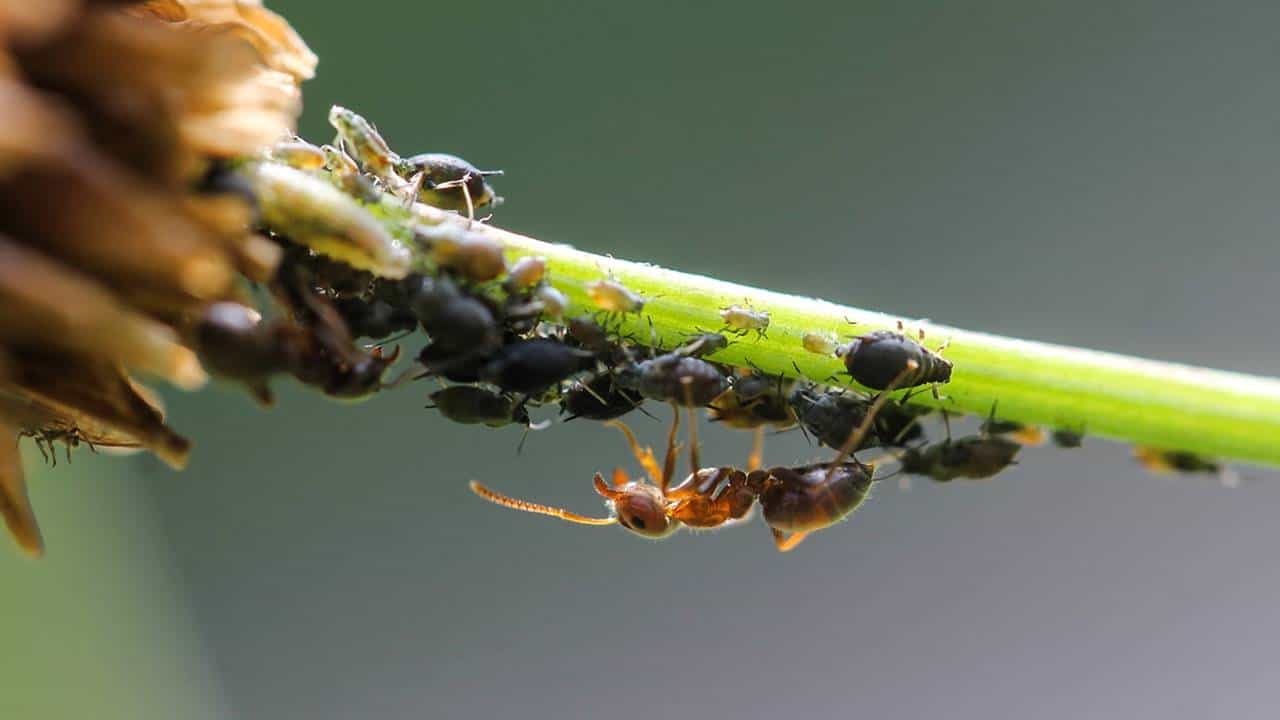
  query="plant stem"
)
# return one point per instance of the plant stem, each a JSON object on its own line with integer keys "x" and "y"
{"x": 1214, "y": 413}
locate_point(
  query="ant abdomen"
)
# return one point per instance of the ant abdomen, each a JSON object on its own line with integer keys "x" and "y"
{"x": 812, "y": 497}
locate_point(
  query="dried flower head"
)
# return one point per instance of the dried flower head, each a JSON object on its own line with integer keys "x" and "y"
{"x": 119, "y": 225}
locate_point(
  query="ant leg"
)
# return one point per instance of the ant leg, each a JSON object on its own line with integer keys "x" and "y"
{"x": 673, "y": 448}
{"x": 946, "y": 422}
{"x": 756, "y": 458}
{"x": 695, "y": 460}
{"x": 855, "y": 437}
{"x": 643, "y": 455}
{"x": 785, "y": 542}
{"x": 40, "y": 447}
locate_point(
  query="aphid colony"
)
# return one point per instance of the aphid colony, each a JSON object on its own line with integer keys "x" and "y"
{"x": 499, "y": 347}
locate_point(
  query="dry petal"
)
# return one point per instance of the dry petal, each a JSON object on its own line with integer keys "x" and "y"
{"x": 15, "y": 505}
{"x": 52, "y": 307}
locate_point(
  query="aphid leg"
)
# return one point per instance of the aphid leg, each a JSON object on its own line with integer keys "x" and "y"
{"x": 787, "y": 542}
{"x": 466, "y": 193}
{"x": 855, "y": 437}
{"x": 526, "y": 506}
{"x": 413, "y": 188}
{"x": 35, "y": 439}
{"x": 643, "y": 455}
{"x": 756, "y": 457}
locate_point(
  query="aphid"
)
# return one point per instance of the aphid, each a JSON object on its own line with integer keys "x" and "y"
{"x": 530, "y": 366}
{"x": 1159, "y": 460}
{"x": 589, "y": 334}
{"x": 527, "y": 272}
{"x": 612, "y": 296}
{"x": 796, "y": 501}
{"x": 448, "y": 182}
{"x": 675, "y": 377}
{"x": 1064, "y": 438}
{"x": 703, "y": 345}
{"x": 1162, "y": 461}
{"x": 475, "y": 256}
{"x": 754, "y": 401}
{"x": 875, "y": 358}
{"x": 1020, "y": 433}
{"x": 456, "y": 322}
{"x": 975, "y": 457}
{"x": 830, "y": 416}
{"x": 472, "y": 405}
{"x": 598, "y": 398}
{"x": 346, "y": 174}
{"x": 554, "y": 302}
{"x": 375, "y": 318}
{"x": 299, "y": 154}
{"x": 820, "y": 343}
{"x": 742, "y": 320}
{"x": 367, "y": 147}
{"x": 459, "y": 366}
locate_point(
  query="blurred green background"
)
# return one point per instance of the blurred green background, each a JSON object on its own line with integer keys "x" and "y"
{"x": 1095, "y": 173}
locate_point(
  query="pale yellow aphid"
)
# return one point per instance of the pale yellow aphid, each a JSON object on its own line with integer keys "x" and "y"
{"x": 612, "y": 296}
{"x": 742, "y": 320}
{"x": 820, "y": 343}
{"x": 528, "y": 271}
{"x": 299, "y": 154}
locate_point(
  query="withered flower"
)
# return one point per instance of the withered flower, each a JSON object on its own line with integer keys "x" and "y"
{"x": 113, "y": 117}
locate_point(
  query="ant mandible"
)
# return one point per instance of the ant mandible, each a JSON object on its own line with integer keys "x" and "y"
{"x": 796, "y": 501}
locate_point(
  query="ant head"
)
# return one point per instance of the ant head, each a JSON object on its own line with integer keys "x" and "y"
{"x": 639, "y": 507}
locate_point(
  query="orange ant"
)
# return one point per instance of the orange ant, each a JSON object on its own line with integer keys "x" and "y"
{"x": 796, "y": 501}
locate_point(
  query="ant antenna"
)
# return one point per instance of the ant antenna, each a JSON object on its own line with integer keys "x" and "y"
{"x": 509, "y": 502}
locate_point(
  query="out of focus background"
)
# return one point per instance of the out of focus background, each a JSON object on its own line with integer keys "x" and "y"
{"x": 1094, "y": 173}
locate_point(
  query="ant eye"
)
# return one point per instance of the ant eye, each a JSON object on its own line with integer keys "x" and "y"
{"x": 638, "y": 523}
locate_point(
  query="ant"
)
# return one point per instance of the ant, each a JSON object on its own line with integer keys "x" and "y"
{"x": 796, "y": 501}
{"x": 974, "y": 457}
{"x": 875, "y": 358}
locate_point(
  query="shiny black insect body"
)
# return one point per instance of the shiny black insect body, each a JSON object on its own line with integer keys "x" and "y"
{"x": 235, "y": 344}
{"x": 975, "y": 457}
{"x": 375, "y": 318}
{"x": 1064, "y": 438}
{"x": 675, "y": 377}
{"x": 449, "y": 182}
{"x": 455, "y": 321}
{"x": 598, "y": 398}
{"x": 831, "y": 415}
{"x": 876, "y": 358}
{"x": 471, "y": 405}
{"x": 755, "y": 400}
{"x": 531, "y": 366}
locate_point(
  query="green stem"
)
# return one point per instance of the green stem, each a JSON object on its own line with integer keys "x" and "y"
{"x": 1210, "y": 412}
